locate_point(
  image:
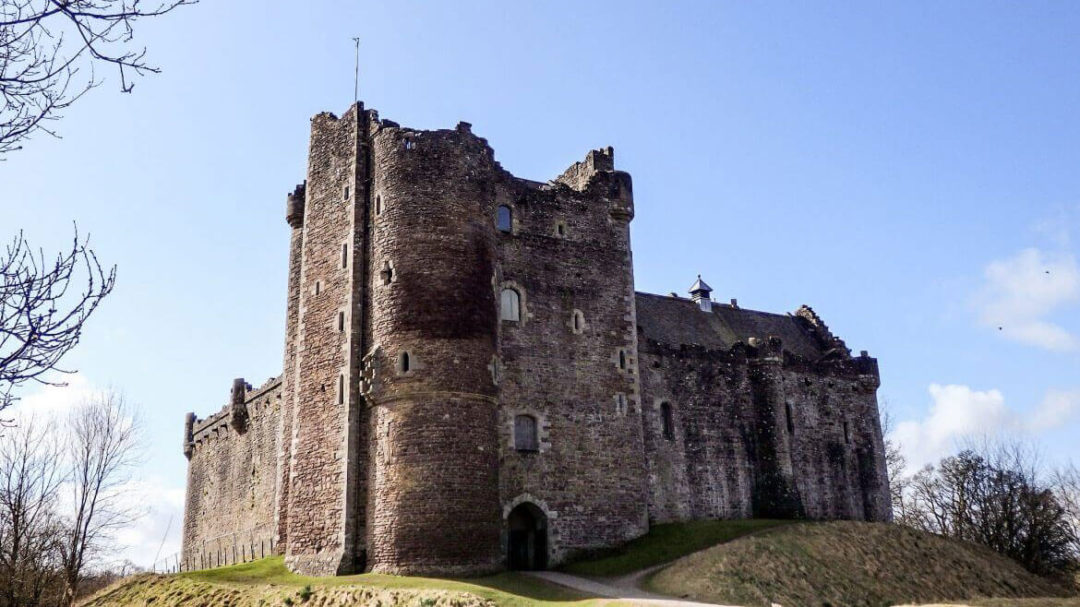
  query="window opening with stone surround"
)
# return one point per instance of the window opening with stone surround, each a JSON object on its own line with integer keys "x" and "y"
{"x": 378, "y": 204}
{"x": 405, "y": 362}
{"x": 387, "y": 273}
{"x": 504, "y": 219}
{"x": 526, "y": 434}
{"x": 667, "y": 421}
{"x": 790, "y": 418}
{"x": 510, "y": 305}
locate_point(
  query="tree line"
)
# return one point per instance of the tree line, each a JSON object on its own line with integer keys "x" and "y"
{"x": 996, "y": 493}
{"x": 62, "y": 484}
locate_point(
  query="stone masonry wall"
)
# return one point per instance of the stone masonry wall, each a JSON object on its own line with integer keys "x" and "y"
{"x": 229, "y": 511}
{"x": 325, "y": 466}
{"x": 734, "y": 453}
{"x": 569, "y": 253}
{"x": 433, "y": 498}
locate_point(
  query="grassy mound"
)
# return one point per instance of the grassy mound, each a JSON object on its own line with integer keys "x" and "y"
{"x": 848, "y": 563}
{"x": 665, "y": 543}
{"x": 267, "y": 583}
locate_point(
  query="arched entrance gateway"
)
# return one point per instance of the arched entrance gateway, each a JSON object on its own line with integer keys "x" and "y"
{"x": 527, "y": 537}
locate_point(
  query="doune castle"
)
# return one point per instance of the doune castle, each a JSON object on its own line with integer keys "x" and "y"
{"x": 471, "y": 382}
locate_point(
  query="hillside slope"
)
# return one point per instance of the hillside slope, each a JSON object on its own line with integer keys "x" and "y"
{"x": 267, "y": 583}
{"x": 847, "y": 563}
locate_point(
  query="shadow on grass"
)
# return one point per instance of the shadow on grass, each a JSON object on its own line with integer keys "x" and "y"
{"x": 508, "y": 589}
{"x": 665, "y": 543}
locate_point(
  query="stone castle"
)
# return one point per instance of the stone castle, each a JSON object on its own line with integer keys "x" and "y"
{"x": 471, "y": 382}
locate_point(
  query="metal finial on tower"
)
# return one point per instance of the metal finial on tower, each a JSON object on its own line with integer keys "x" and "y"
{"x": 356, "y": 73}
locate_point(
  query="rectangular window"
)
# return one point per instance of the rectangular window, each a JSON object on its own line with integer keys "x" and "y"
{"x": 525, "y": 433}
{"x": 345, "y": 255}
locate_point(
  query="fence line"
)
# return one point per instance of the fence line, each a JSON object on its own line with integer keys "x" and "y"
{"x": 226, "y": 549}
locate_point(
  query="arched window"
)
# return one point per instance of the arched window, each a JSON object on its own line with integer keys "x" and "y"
{"x": 510, "y": 304}
{"x": 525, "y": 435}
{"x": 504, "y": 219}
{"x": 405, "y": 363}
{"x": 667, "y": 421}
{"x": 579, "y": 321}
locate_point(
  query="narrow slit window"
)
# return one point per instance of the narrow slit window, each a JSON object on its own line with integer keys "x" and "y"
{"x": 341, "y": 389}
{"x": 387, "y": 273}
{"x": 346, "y": 192}
{"x": 560, "y": 229}
{"x": 378, "y": 204}
{"x": 525, "y": 433}
{"x": 847, "y": 433}
{"x": 405, "y": 362}
{"x": 341, "y": 322}
{"x": 622, "y": 359}
{"x": 345, "y": 255}
{"x": 510, "y": 303}
{"x": 790, "y": 419}
{"x": 578, "y": 321}
{"x": 318, "y": 287}
{"x": 667, "y": 421}
{"x": 504, "y": 219}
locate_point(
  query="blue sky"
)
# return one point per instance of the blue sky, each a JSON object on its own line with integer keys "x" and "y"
{"x": 909, "y": 170}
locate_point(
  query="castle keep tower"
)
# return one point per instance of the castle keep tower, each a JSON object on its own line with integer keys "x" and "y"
{"x": 472, "y": 383}
{"x": 434, "y": 501}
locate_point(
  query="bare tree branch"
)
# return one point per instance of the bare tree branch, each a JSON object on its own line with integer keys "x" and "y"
{"x": 43, "y": 309}
{"x": 48, "y": 50}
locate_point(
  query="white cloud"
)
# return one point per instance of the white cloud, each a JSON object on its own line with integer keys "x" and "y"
{"x": 156, "y": 534}
{"x": 53, "y": 401}
{"x": 959, "y": 412}
{"x": 1021, "y": 291}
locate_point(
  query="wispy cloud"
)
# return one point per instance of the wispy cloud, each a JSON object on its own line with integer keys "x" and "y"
{"x": 1020, "y": 293}
{"x": 53, "y": 401}
{"x": 959, "y": 412}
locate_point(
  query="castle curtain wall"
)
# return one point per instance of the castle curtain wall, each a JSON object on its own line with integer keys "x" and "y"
{"x": 229, "y": 513}
{"x": 805, "y": 444}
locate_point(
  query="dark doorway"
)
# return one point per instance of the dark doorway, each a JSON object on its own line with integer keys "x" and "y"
{"x": 527, "y": 547}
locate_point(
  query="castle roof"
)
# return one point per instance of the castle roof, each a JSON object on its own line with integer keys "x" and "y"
{"x": 677, "y": 321}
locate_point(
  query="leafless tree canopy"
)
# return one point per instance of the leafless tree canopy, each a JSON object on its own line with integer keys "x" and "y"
{"x": 30, "y": 529}
{"x": 48, "y": 52}
{"x": 102, "y": 448}
{"x": 43, "y": 306}
{"x": 994, "y": 494}
{"x": 61, "y": 501}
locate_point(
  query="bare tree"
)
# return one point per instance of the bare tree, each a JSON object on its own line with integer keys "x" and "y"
{"x": 103, "y": 449}
{"x": 993, "y": 494}
{"x": 895, "y": 463}
{"x": 31, "y": 472}
{"x": 48, "y": 51}
{"x": 43, "y": 307}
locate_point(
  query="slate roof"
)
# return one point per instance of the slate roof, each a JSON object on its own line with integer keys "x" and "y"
{"x": 679, "y": 321}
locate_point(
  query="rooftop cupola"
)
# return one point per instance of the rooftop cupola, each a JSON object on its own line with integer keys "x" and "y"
{"x": 701, "y": 294}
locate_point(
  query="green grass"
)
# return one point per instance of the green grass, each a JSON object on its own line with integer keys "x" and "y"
{"x": 509, "y": 589}
{"x": 665, "y": 543}
{"x": 853, "y": 563}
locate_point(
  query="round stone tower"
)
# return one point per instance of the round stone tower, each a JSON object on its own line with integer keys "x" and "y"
{"x": 433, "y": 481}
